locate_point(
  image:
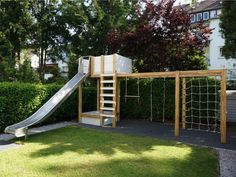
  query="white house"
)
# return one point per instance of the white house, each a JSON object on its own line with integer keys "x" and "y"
{"x": 209, "y": 11}
{"x": 62, "y": 65}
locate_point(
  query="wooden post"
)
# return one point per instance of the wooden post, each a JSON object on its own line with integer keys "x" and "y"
{"x": 223, "y": 108}
{"x": 118, "y": 99}
{"x": 184, "y": 103}
{"x": 101, "y": 79}
{"x": 80, "y": 99}
{"x": 92, "y": 66}
{"x": 177, "y": 103}
{"x": 98, "y": 94}
{"x": 115, "y": 93}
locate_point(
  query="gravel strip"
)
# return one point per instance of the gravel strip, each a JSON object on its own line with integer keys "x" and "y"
{"x": 227, "y": 161}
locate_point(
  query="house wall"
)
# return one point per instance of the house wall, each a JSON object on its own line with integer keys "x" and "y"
{"x": 216, "y": 60}
{"x": 63, "y": 66}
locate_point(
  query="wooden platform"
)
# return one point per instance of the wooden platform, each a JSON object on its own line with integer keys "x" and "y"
{"x": 93, "y": 118}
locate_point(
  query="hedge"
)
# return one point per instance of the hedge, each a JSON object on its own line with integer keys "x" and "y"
{"x": 163, "y": 91}
{"x": 20, "y": 100}
{"x": 132, "y": 108}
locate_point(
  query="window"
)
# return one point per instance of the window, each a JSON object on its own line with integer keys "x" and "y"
{"x": 213, "y": 14}
{"x": 192, "y": 17}
{"x": 205, "y": 15}
{"x": 199, "y": 16}
{"x": 221, "y": 53}
{"x": 218, "y": 12}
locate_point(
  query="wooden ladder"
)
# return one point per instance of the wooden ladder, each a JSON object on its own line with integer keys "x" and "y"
{"x": 107, "y": 96}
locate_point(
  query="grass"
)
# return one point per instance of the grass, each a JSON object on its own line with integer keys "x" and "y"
{"x": 82, "y": 152}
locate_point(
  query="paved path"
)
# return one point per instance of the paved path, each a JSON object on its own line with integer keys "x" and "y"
{"x": 5, "y": 138}
{"x": 5, "y": 145}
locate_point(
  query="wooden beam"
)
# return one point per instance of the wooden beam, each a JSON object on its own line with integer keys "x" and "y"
{"x": 147, "y": 75}
{"x": 80, "y": 102}
{"x": 171, "y": 74}
{"x": 200, "y": 73}
{"x": 184, "y": 103}
{"x": 98, "y": 94}
{"x": 223, "y": 107}
{"x": 90, "y": 115}
{"x": 177, "y": 103}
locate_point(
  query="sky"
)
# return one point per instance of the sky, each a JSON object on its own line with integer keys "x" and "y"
{"x": 183, "y": 1}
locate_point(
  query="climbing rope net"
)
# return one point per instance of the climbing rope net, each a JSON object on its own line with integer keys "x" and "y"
{"x": 203, "y": 103}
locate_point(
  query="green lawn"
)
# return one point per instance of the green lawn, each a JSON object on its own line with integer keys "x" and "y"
{"x": 82, "y": 152}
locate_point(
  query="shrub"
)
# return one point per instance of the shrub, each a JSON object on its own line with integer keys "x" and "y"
{"x": 26, "y": 73}
{"x": 134, "y": 109}
{"x": 163, "y": 98}
{"x": 20, "y": 100}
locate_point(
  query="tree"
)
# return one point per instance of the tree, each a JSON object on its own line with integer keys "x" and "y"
{"x": 26, "y": 74}
{"x": 15, "y": 23}
{"x": 7, "y": 71}
{"x": 56, "y": 78}
{"x": 163, "y": 39}
{"x": 228, "y": 28}
{"x": 14, "y": 29}
{"x": 94, "y": 19}
{"x": 44, "y": 36}
{"x": 90, "y": 21}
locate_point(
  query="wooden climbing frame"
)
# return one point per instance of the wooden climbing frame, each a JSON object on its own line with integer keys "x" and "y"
{"x": 177, "y": 75}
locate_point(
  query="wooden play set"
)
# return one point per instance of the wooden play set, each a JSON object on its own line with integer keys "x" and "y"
{"x": 109, "y": 70}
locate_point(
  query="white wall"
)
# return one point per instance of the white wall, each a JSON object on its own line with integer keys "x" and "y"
{"x": 217, "y": 61}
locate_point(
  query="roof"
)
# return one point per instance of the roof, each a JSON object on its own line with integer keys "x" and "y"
{"x": 202, "y": 6}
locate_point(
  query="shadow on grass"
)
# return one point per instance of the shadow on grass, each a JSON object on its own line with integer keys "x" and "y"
{"x": 89, "y": 141}
{"x": 139, "y": 167}
{"x": 197, "y": 162}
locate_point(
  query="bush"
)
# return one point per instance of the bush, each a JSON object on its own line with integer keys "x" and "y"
{"x": 134, "y": 109}
{"x": 163, "y": 91}
{"x": 56, "y": 78}
{"x": 26, "y": 73}
{"x": 20, "y": 100}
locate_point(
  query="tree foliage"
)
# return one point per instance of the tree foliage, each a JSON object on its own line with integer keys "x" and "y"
{"x": 26, "y": 74}
{"x": 163, "y": 39}
{"x": 228, "y": 28}
{"x": 15, "y": 23}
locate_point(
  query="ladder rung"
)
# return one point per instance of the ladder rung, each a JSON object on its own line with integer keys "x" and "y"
{"x": 107, "y": 88}
{"x": 107, "y": 75}
{"x": 107, "y": 101}
{"x": 107, "y": 109}
{"x": 107, "y": 81}
{"x": 107, "y": 95}
{"x": 107, "y": 115}
{"x": 132, "y": 96}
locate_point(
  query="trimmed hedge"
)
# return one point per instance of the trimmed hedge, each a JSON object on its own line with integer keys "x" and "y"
{"x": 20, "y": 100}
{"x": 133, "y": 109}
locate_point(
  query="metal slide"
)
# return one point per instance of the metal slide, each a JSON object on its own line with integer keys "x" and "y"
{"x": 20, "y": 129}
